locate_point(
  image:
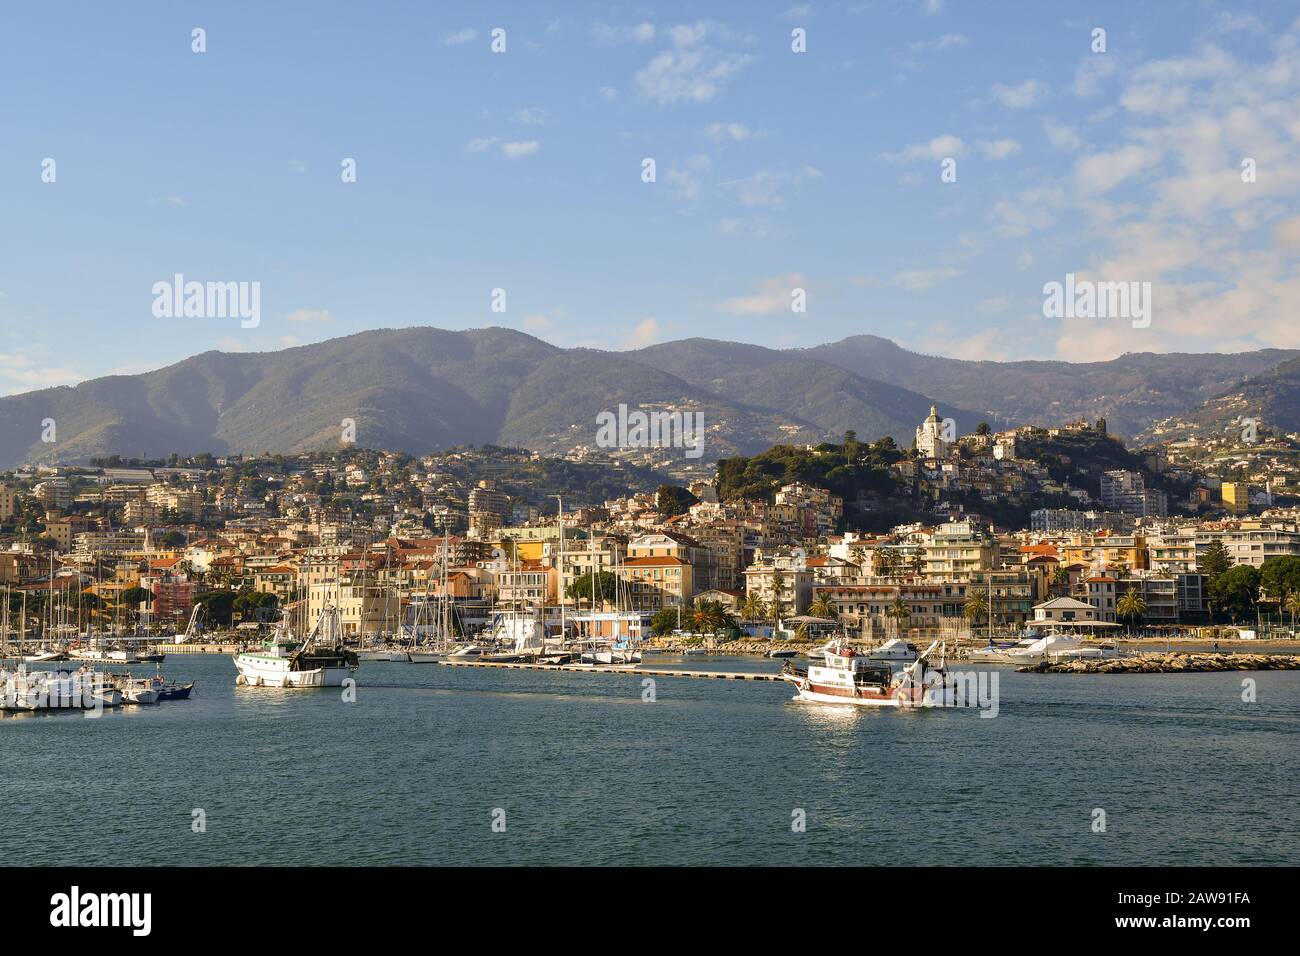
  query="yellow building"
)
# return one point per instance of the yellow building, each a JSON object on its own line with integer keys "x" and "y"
{"x": 8, "y": 503}
{"x": 1236, "y": 497}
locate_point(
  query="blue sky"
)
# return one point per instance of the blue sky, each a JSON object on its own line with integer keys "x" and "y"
{"x": 522, "y": 170}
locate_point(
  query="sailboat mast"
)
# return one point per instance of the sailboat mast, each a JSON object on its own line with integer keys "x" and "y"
{"x": 560, "y": 574}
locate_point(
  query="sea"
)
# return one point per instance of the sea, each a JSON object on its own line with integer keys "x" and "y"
{"x": 427, "y": 764}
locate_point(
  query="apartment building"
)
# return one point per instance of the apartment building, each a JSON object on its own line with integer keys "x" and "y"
{"x": 957, "y": 549}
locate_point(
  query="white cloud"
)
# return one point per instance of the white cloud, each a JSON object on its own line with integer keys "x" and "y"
{"x": 531, "y": 116}
{"x": 645, "y": 332}
{"x": 459, "y": 37}
{"x": 941, "y": 147}
{"x": 21, "y": 371}
{"x": 1098, "y": 173}
{"x": 687, "y": 180}
{"x": 768, "y": 187}
{"x": 308, "y": 315}
{"x": 692, "y": 70}
{"x": 1030, "y": 210}
{"x": 998, "y": 148}
{"x": 948, "y": 41}
{"x": 1019, "y": 97}
{"x": 607, "y": 93}
{"x": 1221, "y": 254}
{"x": 481, "y": 143}
{"x": 919, "y": 280}
{"x": 774, "y": 296}
{"x": 519, "y": 150}
{"x": 603, "y": 34}
{"x": 729, "y": 132}
{"x": 1061, "y": 137}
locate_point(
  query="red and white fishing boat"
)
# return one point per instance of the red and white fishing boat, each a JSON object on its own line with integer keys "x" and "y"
{"x": 847, "y": 677}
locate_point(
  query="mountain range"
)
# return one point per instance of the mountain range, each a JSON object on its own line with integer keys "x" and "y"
{"x": 422, "y": 389}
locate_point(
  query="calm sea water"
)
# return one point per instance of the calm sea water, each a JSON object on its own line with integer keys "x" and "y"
{"x": 711, "y": 772}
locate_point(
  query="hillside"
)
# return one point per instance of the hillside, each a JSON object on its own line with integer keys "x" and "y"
{"x": 1130, "y": 392}
{"x": 422, "y": 389}
{"x": 1271, "y": 398}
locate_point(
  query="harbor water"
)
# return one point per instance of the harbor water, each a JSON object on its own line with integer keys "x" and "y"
{"x": 443, "y": 765}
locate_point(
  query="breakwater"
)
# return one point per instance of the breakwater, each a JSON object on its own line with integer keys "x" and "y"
{"x": 1168, "y": 664}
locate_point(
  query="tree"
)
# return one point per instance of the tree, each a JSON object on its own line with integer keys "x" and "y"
{"x": 822, "y": 607}
{"x": 1131, "y": 606}
{"x": 606, "y": 587}
{"x": 713, "y": 617}
{"x": 1280, "y": 576}
{"x": 1059, "y": 583}
{"x": 982, "y": 428}
{"x": 1292, "y": 604}
{"x": 753, "y": 608}
{"x": 776, "y": 605}
{"x": 1214, "y": 561}
{"x": 217, "y": 606}
{"x": 663, "y": 622}
{"x": 674, "y": 500}
{"x": 1236, "y": 591}
{"x": 254, "y": 604}
{"x": 899, "y": 611}
{"x": 977, "y": 607}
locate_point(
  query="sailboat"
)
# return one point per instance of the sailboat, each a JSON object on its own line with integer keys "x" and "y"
{"x": 422, "y": 650}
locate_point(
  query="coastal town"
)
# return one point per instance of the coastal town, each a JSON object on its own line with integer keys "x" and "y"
{"x": 133, "y": 548}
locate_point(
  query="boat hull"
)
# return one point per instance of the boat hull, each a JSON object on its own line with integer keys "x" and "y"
{"x": 267, "y": 672}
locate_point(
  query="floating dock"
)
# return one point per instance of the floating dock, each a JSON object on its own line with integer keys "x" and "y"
{"x": 633, "y": 670}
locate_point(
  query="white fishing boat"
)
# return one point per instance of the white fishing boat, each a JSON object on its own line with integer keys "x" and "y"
{"x": 320, "y": 660}
{"x": 848, "y": 678}
{"x": 138, "y": 691}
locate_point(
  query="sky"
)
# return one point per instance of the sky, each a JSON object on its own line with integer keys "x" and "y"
{"x": 524, "y": 170}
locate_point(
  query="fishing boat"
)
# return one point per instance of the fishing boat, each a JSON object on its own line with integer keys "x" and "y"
{"x": 137, "y": 690}
{"x": 319, "y": 660}
{"x": 846, "y": 677}
{"x": 170, "y": 689}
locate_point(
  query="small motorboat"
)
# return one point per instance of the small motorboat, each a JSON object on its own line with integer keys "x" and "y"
{"x": 138, "y": 691}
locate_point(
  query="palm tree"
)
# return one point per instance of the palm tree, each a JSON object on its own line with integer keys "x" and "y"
{"x": 752, "y": 608}
{"x": 1131, "y": 606}
{"x": 822, "y": 607}
{"x": 899, "y": 611}
{"x": 1292, "y": 604}
{"x": 977, "y": 607}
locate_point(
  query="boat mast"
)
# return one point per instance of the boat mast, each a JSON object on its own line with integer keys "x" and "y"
{"x": 560, "y": 501}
